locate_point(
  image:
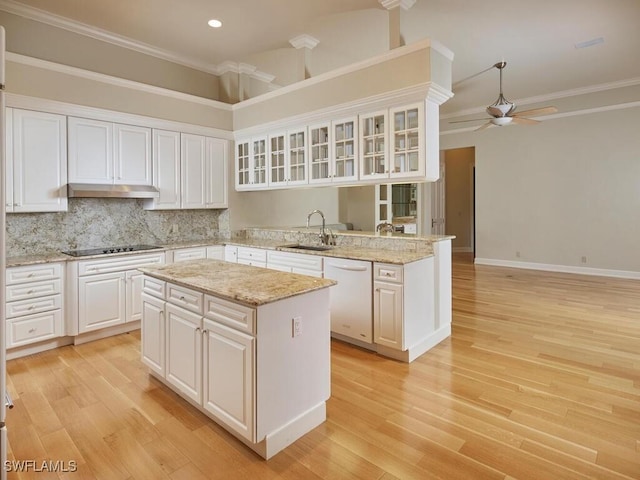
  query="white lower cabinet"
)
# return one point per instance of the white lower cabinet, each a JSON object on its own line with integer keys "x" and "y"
{"x": 101, "y": 301}
{"x": 216, "y": 252}
{"x": 295, "y": 263}
{"x": 34, "y": 308}
{"x": 228, "y": 374}
{"x": 152, "y": 345}
{"x": 184, "y": 351}
{"x": 105, "y": 292}
{"x": 387, "y": 315}
{"x": 256, "y": 257}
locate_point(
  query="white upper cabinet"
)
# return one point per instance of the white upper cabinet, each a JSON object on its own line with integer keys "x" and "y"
{"x": 406, "y": 141}
{"x": 132, "y": 154}
{"x": 373, "y": 145}
{"x": 319, "y": 153}
{"x": 105, "y": 152}
{"x": 36, "y": 161}
{"x": 287, "y": 158}
{"x": 166, "y": 170}
{"x": 203, "y": 171}
{"x": 251, "y": 164}
{"x": 333, "y": 152}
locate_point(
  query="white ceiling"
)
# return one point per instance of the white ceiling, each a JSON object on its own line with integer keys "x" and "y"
{"x": 536, "y": 38}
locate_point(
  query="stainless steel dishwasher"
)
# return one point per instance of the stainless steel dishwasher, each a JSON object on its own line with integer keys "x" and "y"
{"x": 351, "y": 300}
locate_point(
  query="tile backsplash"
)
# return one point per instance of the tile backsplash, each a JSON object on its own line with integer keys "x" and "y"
{"x": 96, "y": 222}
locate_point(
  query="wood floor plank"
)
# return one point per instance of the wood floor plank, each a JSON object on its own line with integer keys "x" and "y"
{"x": 540, "y": 379}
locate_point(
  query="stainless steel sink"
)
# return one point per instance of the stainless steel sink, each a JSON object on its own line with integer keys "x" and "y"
{"x": 317, "y": 248}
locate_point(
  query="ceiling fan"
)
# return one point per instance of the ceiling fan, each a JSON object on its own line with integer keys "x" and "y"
{"x": 502, "y": 111}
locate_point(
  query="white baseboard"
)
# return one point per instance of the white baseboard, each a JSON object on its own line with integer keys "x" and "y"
{"x": 602, "y": 272}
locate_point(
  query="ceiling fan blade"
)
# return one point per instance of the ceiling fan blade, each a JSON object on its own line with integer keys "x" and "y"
{"x": 482, "y": 127}
{"x": 525, "y": 121}
{"x": 535, "y": 112}
{"x": 471, "y": 120}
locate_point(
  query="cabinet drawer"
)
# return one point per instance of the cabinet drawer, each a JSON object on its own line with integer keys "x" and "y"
{"x": 33, "y": 290}
{"x": 298, "y": 261}
{"x": 257, "y": 255}
{"x": 230, "y": 314}
{"x": 189, "y": 254}
{"x": 185, "y": 298}
{"x": 387, "y": 273}
{"x": 252, "y": 263}
{"x": 32, "y": 273}
{"x": 118, "y": 264}
{"x": 37, "y": 305}
{"x": 153, "y": 286}
{"x": 33, "y": 328}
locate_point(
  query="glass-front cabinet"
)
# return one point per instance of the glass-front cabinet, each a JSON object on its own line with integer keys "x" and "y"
{"x": 373, "y": 145}
{"x": 407, "y": 137}
{"x": 297, "y": 157}
{"x": 277, "y": 154}
{"x": 251, "y": 164}
{"x": 319, "y": 160}
{"x": 345, "y": 150}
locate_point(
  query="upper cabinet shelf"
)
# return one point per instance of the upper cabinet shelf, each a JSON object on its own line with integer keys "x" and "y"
{"x": 361, "y": 124}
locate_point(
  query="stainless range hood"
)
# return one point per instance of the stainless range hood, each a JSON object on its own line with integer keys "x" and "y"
{"x": 91, "y": 190}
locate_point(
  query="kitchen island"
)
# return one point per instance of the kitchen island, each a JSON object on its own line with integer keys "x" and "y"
{"x": 249, "y": 347}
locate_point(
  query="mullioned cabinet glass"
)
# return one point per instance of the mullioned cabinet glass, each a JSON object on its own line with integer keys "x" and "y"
{"x": 373, "y": 145}
{"x": 408, "y": 141}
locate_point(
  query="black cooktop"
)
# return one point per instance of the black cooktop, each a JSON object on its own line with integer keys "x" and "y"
{"x": 108, "y": 250}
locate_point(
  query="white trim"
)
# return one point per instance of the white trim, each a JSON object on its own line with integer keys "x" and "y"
{"x": 228, "y": 66}
{"x": 323, "y": 77}
{"x": 552, "y": 96}
{"x": 52, "y": 19}
{"x": 53, "y": 106}
{"x": 304, "y": 41}
{"x": 108, "y": 79}
{"x": 377, "y": 102}
{"x": 391, "y": 4}
{"x": 574, "y": 113}
{"x": 602, "y": 272}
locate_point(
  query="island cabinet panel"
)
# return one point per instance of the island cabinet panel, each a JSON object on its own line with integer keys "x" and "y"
{"x": 228, "y": 390}
{"x": 152, "y": 346}
{"x": 184, "y": 351}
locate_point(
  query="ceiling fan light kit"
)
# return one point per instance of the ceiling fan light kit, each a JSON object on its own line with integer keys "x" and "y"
{"x": 502, "y": 111}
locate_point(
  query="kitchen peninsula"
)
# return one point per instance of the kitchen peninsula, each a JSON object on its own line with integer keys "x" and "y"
{"x": 249, "y": 347}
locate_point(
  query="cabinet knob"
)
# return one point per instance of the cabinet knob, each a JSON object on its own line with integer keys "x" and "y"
{"x": 33, "y": 330}
{"x": 182, "y": 298}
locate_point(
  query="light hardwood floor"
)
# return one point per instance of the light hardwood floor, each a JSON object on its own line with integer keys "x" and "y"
{"x": 539, "y": 380}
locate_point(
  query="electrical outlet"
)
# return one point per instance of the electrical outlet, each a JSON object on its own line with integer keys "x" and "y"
{"x": 296, "y": 326}
{"x": 517, "y": 254}
{"x": 583, "y": 259}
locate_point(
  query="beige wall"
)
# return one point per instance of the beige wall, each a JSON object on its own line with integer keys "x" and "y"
{"x": 459, "y": 197}
{"x": 555, "y": 192}
{"x": 38, "y": 40}
{"x": 358, "y": 206}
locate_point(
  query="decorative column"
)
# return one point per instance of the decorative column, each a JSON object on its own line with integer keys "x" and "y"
{"x": 305, "y": 43}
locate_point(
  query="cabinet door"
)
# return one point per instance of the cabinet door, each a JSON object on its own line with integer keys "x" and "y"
{"x": 258, "y": 177}
{"x": 296, "y": 157}
{"x": 132, "y": 155}
{"x": 133, "y": 296}
{"x": 184, "y": 351}
{"x": 193, "y": 170}
{"x": 216, "y": 173}
{"x": 90, "y": 151}
{"x": 344, "y": 150}
{"x": 166, "y": 170}
{"x": 152, "y": 344}
{"x": 407, "y": 141}
{"x": 231, "y": 253}
{"x": 242, "y": 165}
{"x": 228, "y": 389}
{"x": 101, "y": 301}
{"x": 388, "y": 315}
{"x": 373, "y": 145}
{"x": 319, "y": 153}
{"x": 39, "y": 161}
{"x": 277, "y": 159}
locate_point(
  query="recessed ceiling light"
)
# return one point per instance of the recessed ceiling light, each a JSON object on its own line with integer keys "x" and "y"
{"x": 214, "y": 23}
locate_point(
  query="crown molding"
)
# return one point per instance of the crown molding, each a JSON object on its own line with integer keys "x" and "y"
{"x": 108, "y": 79}
{"x": 304, "y": 41}
{"x": 552, "y": 96}
{"x": 54, "y": 20}
{"x": 391, "y": 4}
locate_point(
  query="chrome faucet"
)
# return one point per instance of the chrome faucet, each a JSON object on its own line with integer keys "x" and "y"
{"x": 385, "y": 227}
{"x": 324, "y": 237}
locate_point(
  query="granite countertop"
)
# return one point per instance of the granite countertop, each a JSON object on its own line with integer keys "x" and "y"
{"x": 252, "y": 286}
{"x": 398, "y": 257}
